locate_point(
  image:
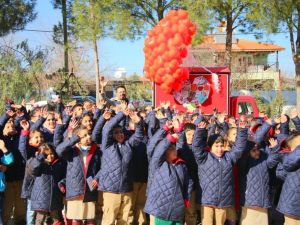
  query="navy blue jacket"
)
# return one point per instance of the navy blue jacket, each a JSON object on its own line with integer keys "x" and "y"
{"x": 216, "y": 174}
{"x": 254, "y": 177}
{"x": 289, "y": 202}
{"x": 77, "y": 173}
{"x": 27, "y": 152}
{"x": 185, "y": 152}
{"x": 15, "y": 171}
{"x": 115, "y": 175}
{"x": 296, "y": 122}
{"x": 45, "y": 195}
{"x": 170, "y": 186}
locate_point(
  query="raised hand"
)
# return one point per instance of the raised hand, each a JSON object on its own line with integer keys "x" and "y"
{"x": 273, "y": 142}
{"x": 101, "y": 103}
{"x": 25, "y": 125}
{"x": 73, "y": 123}
{"x": 2, "y": 146}
{"x": 176, "y": 124}
{"x": 134, "y": 117}
{"x": 202, "y": 125}
{"x": 44, "y": 112}
{"x": 10, "y": 113}
{"x": 68, "y": 111}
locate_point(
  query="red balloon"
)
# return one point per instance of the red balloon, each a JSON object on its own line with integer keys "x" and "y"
{"x": 174, "y": 28}
{"x": 187, "y": 40}
{"x": 182, "y": 29}
{"x": 192, "y": 29}
{"x": 183, "y": 52}
{"x": 160, "y": 38}
{"x": 178, "y": 40}
{"x": 182, "y": 14}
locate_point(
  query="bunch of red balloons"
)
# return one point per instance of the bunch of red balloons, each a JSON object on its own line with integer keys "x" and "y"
{"x": 165, "y": 48}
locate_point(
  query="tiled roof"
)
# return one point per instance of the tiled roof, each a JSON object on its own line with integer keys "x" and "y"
{"x": 240, "y": 45}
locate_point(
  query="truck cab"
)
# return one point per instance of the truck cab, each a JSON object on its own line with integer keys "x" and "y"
{"x": 209, "y": 89}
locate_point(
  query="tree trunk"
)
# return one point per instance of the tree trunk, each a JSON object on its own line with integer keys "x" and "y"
{"x": 65, "y": 30}
{"x": 95, "y": 49}
{"x": 297, "y": 61}
{"x": 228, "y": 48}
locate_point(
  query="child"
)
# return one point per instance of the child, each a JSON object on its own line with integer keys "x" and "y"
{"x": 215, "y": 172}
{"x": 289, "y": 202}
{"x": 46, "y": 196}
{"x": 6, "y": 159}
{"x": 15, "y": 171}
{"x": 115, "y": 176}
{"x": 30, "y": 141}
{"x": 184, "y": 146}
{"x": 254, "y": 172}
{"x": 170, "y": 188}
{"x": 83, "y": 162}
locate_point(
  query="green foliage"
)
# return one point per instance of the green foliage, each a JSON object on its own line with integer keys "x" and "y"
{"x": 272, "y": 109}
{"x": 276, "y": 104}
{"x": 15, "y": 14}
{"x": 137, "y": 89}
{"x": 95, "y": 18}
{"x": 58, "y": 28}
{"x": 67, "y": 84}
{"x": 19, "y": 69}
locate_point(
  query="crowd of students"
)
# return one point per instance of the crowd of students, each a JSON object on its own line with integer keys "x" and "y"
{"x": 110, "y": 163}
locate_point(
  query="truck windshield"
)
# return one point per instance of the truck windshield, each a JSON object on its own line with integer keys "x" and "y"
{"x": 245, "y": 108}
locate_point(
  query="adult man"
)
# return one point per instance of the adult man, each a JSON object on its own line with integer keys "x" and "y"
{"x": 121, "y": 95}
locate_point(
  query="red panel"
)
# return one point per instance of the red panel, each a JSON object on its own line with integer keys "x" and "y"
{"x": 216, "y": 100}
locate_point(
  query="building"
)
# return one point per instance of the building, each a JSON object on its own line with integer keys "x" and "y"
{"x": 251, "y": 67}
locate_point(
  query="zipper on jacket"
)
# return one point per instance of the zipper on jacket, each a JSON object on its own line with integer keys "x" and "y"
{"x": 221, "y": 178}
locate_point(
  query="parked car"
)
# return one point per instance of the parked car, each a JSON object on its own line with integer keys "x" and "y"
{"x": 81, "y": 99}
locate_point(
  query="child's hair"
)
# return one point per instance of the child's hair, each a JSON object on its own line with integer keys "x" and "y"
{"x": 117, "y": 127}
{"x": 189, "y": 126}
{"x": 293, "y": 141}
{"x": 215, "y": 139}
{"x": 78, "y": 129}
{"x": 33, "y": 132}
{"x": 47, "y": 148}
{"x": 33, "y": 112}
{"x": 77, "y": 105}
{"x": 89, "y": 114}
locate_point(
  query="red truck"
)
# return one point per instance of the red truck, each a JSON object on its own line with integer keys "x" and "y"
{"x": 209, "y": 88}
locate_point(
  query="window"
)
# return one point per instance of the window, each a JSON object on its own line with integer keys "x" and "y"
{"x": 245, "y": 108}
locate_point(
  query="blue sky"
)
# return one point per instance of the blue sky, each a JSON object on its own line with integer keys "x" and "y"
{"x": 127, "y": 54}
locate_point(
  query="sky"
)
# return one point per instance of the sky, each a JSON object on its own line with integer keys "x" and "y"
{"x": 127, "y": 54}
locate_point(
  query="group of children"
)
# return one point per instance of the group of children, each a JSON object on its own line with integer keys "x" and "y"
{"x": 113, "y": 164}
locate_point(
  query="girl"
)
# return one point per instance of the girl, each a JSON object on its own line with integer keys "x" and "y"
{"x": 46, "y": 196}
{"x": 215, "y": 172}
{"x": 30, "y": 141}
{"x": 14, "y": 172}
{"x": 83, "y": 162}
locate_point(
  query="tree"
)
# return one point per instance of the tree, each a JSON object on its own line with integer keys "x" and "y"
{"x": 20, "y": 68}
{"x": 284, "y": 15}
{"x": 137, "y": 89}
{"x": 62, "y": 31}
{"x": 15, "y": 14}
{"x": 96, "y": 19}
{"x": 236, "y": 14}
